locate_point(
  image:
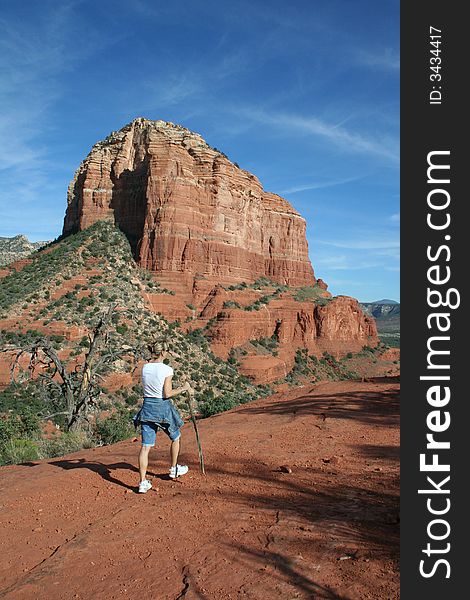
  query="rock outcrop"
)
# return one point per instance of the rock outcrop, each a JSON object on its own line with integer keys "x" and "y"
{"x": 206, "y": 229}
{"x": 187, "y": 209}
{"x": 338, "y": 327}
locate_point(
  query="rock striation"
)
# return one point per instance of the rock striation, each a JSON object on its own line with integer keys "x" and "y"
{"x": 187, "y": 209}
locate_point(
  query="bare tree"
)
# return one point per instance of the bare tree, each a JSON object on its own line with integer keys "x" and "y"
{"x": 77, "y": 390}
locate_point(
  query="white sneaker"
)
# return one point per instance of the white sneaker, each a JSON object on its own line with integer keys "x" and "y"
{"x": 178, "y": 470}
{"x": 144, "y": 486}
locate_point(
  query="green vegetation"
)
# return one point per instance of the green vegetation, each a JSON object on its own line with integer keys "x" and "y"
{"x": 390, "y": 339}
{"x": 217, "y": 405}
{"x": 20, "y": 429}
{"x": 63, "y": 443}
{"x": 270, "y": 344}
{"x": 61, "y": 260}
{"x": 314, "y": 293}
{"x": 114, "y": 428}
{"x": 260, "y": 283}
{"x": 308, "y": 293}
{"x": 231, "y": 304}
{"x": 54, "y": 280}
{"x": 261, "y": 302}
{"x": 238, "y": 286}
{"x": 311, "y": 367}
{"x": 25, "y": 399}
{"x": 18, "y": 450}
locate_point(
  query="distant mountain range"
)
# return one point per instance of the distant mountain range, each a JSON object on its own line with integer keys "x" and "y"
{"x": 14, "y": 248}
{"x": 387, "y": 317}
{"x": 382, "y": 302}
{"x": 382, "y": 309}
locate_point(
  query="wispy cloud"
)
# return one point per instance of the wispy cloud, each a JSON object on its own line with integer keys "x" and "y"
{"x": 320, "y": 185}
{"x": 384, "y": 59}
{"x": 363, "y": 244}
{"x": 395, "y": 218}
{"x": 196, "y": 89}
{"x": 35, "y": 54}
{"x": 30, "y": 62}
{"x": 346, "y": 140}
{"x": 357, "y": 254}
{"x": 345, "y": 262}
{"x": 173, "y": 90}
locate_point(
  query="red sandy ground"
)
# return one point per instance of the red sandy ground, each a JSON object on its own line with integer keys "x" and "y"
{"x": 74, "y": 527}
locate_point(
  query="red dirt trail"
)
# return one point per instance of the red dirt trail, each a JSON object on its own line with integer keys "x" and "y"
{"x": 73, "y": 527}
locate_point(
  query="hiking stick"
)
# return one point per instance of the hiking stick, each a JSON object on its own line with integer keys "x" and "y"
{"x": 198, "y": 441}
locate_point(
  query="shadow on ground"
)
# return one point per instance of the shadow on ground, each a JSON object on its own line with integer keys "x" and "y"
{"x": 105, "y": 470}
{"x": 376, "y": 408}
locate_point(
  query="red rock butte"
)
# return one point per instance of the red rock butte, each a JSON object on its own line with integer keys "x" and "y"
{"x": 187, "y": 210}
{"x": 196, "y": 220}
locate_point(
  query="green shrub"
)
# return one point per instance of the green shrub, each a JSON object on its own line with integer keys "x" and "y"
{"x": 8, "y": 429}
{"x": 20, "y": 425}
{"x": 217, "y": 405}
{"x": 329, "y": 358}
{"x": 115, "y": 428}
{"x": 301, "y": 357}
{"x": 270, "y": 343}
{"x": 18, "y": 450}
{"x": 132, "y": 400}
{"x": 309, "y": 292}
{"x": 62, "y": 444}
{"x": 231, "y": 304}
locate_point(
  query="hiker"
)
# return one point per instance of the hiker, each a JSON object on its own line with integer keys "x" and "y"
{"x": 158, "y": 412}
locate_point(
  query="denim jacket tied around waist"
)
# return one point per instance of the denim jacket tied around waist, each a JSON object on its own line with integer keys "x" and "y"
{"x": 159, "y": 410}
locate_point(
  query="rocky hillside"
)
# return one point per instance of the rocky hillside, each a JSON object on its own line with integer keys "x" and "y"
{"x": 60, "y": 294}
{"x": 17, "y": 247}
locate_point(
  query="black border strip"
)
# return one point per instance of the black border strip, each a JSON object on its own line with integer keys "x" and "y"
{"x": 433, "y": 127}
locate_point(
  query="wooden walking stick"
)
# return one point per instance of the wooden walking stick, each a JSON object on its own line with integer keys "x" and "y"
{"x": 198, "y": 441}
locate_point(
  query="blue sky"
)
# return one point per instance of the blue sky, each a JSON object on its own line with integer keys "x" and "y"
{"x": 304, "y": 94}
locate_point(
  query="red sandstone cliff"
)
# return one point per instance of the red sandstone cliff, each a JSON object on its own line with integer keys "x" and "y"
{"x": 187, "y": 209}
{"x": 338, "y": 327}
{"x": 197, "y": 221}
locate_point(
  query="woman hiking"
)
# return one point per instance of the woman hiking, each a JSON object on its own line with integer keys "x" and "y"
{"x": 158, "y": 412}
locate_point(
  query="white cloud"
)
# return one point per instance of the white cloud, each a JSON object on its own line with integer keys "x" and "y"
{"x": 318, "y": 186}
{"x": 346, "y": 140}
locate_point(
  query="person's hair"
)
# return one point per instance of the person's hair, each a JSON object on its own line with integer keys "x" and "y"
{"x": 157, "y": 348}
